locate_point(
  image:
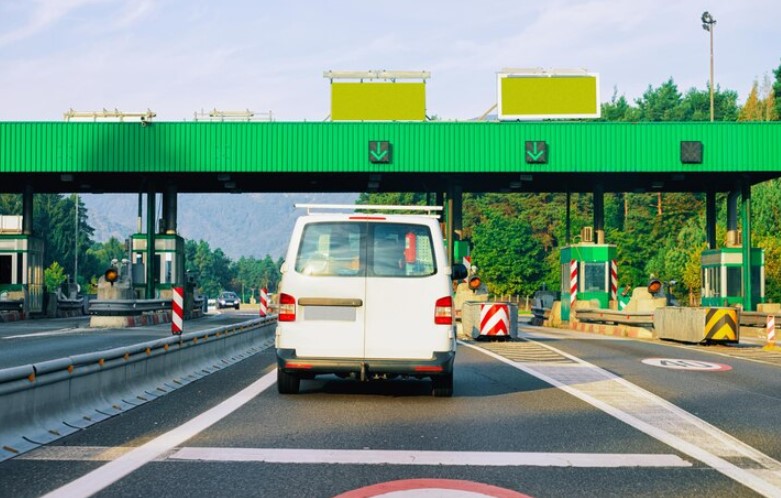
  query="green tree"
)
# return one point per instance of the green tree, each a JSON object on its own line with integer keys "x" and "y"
{"x": 777, "y": 91}
{"x": 213, "y": 268}
{"x": 54, "y": 276}
{"x": 772, "y": 247}
{"x": 507, "y": 255}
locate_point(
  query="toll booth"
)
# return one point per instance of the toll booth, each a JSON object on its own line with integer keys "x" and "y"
{"x": 722, "y": 276}
{"x": 168, "y": 261}
{"x": 585, "y": 274}
{"x": 21, "y": 268}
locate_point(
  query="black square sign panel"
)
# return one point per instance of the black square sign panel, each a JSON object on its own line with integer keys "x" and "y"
{"x": 536, "y": 152}
{"x": 691, "y": 152}
{"x": 379, "y": 152}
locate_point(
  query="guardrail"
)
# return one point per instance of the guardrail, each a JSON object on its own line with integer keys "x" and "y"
{"x": 756, "y": 318}
{"x": 127, "y": 307}
{"x": 540, "y": 315}
{"x": 636, "y": 319}
{"x": 45, "y": 401}
{"x": 646, "y": 319}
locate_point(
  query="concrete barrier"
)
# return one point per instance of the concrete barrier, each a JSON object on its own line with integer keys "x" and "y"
{"x": 698, "y": 325}
{"x": 45, "y": 401}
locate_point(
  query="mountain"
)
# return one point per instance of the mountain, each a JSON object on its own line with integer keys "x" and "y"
{"x": 239, "y": 224}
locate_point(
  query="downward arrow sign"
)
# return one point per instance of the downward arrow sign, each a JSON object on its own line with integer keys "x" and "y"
{"x": 536, "y": 152}
{"x": 379, "y": 151}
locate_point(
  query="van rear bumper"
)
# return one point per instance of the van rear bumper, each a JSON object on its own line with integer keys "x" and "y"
{"x": 440, "y": 364}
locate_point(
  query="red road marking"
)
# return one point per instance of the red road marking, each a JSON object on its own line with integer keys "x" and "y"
{"x": 445, "y": 485}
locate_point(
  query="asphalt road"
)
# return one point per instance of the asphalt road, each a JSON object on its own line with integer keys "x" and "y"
{"x": 30, "y": 341}
{"x": 555, "y": 414}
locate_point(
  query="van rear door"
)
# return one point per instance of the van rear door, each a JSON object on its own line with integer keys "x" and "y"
{"x": 403, "y": 283}
{"x": 329, "y": 286}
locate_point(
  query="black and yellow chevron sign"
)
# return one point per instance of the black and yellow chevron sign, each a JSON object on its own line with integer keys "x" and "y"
{"x": 721, "y": 324}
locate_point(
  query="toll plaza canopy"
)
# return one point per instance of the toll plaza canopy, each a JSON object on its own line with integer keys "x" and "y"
{"x": 576, "y": 156}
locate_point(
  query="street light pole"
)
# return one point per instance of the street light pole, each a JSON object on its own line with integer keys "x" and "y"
{"x": 708, "y": 23}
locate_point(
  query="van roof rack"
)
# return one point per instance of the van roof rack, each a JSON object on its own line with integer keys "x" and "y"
{"x": 428, "y": 210}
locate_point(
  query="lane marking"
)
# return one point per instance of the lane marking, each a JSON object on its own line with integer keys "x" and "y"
{"x": 52, "y": 333}
{"x": 115, "y": 470}
{"x": 656, "y": 417}
{"x": 406, "y": 457}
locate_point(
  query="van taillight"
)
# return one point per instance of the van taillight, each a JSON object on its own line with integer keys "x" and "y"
{"x": 287, "y": 308}
{"x": 443, "y": 311}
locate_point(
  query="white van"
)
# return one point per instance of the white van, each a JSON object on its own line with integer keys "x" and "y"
{"x": 367, "y": 296}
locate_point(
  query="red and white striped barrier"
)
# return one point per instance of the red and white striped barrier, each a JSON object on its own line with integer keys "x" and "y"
{"x": 263, "y": 310}
{"x": 177, "y": 307}
{"x": 494, "y": 320}
{"x": 613, "y": 280}
{"x": 573, "y": 283}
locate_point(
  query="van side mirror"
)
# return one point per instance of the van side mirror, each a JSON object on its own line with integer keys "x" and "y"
{"x": 458, "y": 272}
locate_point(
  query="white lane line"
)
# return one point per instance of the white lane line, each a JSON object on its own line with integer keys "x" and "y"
{"x": 51, "y": 333}
{"x": 656, "y": 417}
{"x": 115, "y": 470}
{"x": 403, "y": 457}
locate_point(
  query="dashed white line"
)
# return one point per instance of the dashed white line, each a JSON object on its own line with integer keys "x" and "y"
{"x": 452, "y": 458}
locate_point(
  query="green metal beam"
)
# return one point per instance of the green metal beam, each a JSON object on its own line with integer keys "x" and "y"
{"x": 633, "y": 153}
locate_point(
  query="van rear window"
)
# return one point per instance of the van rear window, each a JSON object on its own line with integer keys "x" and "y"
{"x": 366, "y": 249}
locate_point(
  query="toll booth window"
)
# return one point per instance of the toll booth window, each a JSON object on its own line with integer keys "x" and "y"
{"x": 331, "y": 249}
{"x": 734, "y": 281}
{"x": 565, "y": 278}
{"x": 756, "y": 281}
{"x": 594, "y": 277}
{"x": 711, "y": 282}
{"x": 401, "y": 250}
{"x": 5, "y": 269}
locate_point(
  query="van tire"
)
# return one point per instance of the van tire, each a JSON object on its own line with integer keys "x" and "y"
{"x": 287, "y": 383}
{"x": 442, "y": 386}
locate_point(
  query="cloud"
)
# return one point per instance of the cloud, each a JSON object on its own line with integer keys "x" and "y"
{"x": 45, "y": 14}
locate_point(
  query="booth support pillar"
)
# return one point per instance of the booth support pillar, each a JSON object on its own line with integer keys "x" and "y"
{"x": 169, "y": 209}
{"x": 748, "y": 303}
{"x": 27, "y": 210}
{"x": 454, "y": 215}
{"x": 599, "y": 214}
{"x": 150, "y": 243}
{"x": 710, "y": 219}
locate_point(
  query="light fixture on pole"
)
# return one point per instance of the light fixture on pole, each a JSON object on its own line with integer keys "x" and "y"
{"x": 708, "y": 23}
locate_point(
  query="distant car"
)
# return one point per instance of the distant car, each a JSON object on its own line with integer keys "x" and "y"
{"x": 228, "y": 300}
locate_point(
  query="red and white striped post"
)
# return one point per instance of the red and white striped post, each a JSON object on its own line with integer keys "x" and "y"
{"x": 613, "y": 280}
{"x": 573, "y": 283}
{"x": 494, "y": 320}
{"x": 263, "y": 310}
{"x": 771, "y": 332}
{"x": 177, "y": 309}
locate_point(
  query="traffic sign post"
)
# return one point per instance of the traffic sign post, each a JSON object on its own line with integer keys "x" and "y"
{"x": 177, "y": 311}
{"x": 263, "y": 310}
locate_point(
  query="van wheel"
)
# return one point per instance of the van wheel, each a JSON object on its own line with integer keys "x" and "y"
{"x": 287, "y": 383}
{"x": 442, "y": 386}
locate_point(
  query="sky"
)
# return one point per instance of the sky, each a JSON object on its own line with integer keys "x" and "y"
{"x": 177, "y": 57}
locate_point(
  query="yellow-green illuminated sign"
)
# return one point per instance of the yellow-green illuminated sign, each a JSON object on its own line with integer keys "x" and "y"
{"x": 378, "y": 101}
{"x": 545, "y": 96}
